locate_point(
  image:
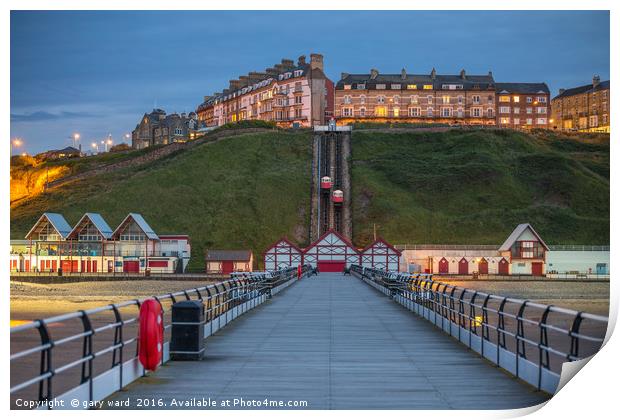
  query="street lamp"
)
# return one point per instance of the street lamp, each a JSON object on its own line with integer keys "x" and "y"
{"x": 95, "y": 146}
{"x": 16, "y": 142}
{"x": 76, "y": 138}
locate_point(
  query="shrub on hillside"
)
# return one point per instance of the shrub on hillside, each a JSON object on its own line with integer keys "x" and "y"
{"x": 370, "y": 124}
{"x": 247, "y": 124}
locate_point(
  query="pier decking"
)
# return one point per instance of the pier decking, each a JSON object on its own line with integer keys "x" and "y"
{"x": 336, "y": 343}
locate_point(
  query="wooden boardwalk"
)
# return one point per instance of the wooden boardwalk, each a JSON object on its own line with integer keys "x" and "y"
{"x": 336, "y": 343}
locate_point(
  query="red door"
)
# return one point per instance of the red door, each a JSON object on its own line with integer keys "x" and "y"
{"x": 227, "y": 267}
{"x": 483, "y": 266}
{"x": 463, "y": 266}
{"x": 131, "y": 266}
{"x": 54, "y": 265}
{"x": 94, "y": 266}
{"x": 502, "y": 267}
{"x": 66, "y": 266}
{"x": 331, "y": 266}
{"x": 444, "y": 266}
{"x": 537, "y": 269}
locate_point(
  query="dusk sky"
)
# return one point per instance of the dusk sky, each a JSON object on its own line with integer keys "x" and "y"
{"x": 97, "y": 72}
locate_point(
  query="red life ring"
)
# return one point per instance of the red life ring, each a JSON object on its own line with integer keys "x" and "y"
{"x": 150, "y": 334}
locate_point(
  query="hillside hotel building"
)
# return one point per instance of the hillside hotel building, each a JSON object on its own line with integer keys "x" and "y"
{"x": 289, "y": 94}
{"x": 438, "y": 98}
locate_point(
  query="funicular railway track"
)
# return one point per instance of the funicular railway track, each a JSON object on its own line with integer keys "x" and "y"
{"x": 331, "y": 184}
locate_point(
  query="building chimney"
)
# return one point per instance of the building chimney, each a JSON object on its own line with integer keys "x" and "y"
{"x": 316, "y": 61}
{"x": 234, "y": 84}
{"x": 255, "y": 76}
{"x": 301, "y": 61}
{"x": 596, "y": 80}
{"x": 490, "y": 74}
{"x": 207, "y": 97}
{"x": 403, "y": 74}
{"x": 433, "y": 73}
{"x": 272, "y": 72}
{"x": 287, "y": 64}
{"x": 463, "y": 74}
{"x": 562, "y": 90}
{"x": 374, "y": 73}
{"x": 225, "y": 92}
{"x": 279, "y": 68}
{"x": 244, "y": 81}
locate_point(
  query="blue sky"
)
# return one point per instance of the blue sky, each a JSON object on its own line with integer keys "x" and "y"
{"x": 96, "y": 73}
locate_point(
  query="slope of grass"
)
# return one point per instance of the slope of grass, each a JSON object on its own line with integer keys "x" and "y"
{"x": 476, "y": 186}
{"x": 241, "y": 192}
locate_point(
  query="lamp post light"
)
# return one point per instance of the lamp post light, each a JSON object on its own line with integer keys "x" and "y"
{"x": 95, "y": 146}
{"x": 76, "y": 139}
{"x": 16, "y": 142}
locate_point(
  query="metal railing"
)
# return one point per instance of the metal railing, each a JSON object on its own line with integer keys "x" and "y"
{"x": 51, "y": 356}
{"x": 530, "y": 340}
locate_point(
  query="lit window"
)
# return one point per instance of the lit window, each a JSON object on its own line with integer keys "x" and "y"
{"x": 515, "y": 99}
{"x": 396, "y": 112}
{"x": 516, "y": 110}
{"x": 446, "y": 99}
{"x": 516, "y": 121}
{"x": 412, "y": 86}
{"x": 347, "y": 87}
{"x": 428, "y": 87}
{"x": 380, "y": 111}
{"x": 504, "y": 98}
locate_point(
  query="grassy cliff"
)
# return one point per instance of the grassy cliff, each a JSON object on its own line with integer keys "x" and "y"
{"x": 239, "y": 192}
{"x": 457, "y": 186}
{"x": 474, "y": 187}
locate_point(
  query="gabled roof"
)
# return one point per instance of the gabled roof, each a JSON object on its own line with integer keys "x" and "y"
{"x": 584, "y": 89}
{"x": 97, "y": 220}
{"x": 384, "y": 242}
{"x": 468, "y": 81}
{"x": 521, "y": 88}
{"x": 57, "y": 221}
{"x": 148, "y": 231}
{"x": 228, "y": 255}
{"x": 323, "y": 236}
{"x": 518, "y": 232}
{"x": 283, "y": 239}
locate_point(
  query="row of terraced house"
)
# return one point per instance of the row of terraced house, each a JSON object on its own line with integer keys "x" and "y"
{"x": 299, "y": 94}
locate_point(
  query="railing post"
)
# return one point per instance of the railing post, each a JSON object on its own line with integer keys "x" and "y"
{"x": 87, "y": 352}
{"x": 520, "y": 334}
{"x": 574, "y": 337}
{"x": 118, "y": 341}
{"x": 45, "y": 387}
{"x": 543, "y": 341}
{"x": 501, "y": 334}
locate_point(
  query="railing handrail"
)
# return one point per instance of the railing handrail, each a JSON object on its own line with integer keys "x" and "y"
{"x": 248, "y": 284}
{"x": 465, "y": 313}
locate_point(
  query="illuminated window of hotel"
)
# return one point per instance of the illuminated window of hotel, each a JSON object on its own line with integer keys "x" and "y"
{"x": 515, "y": 99}
{"x": 528, "y": 100}
{"x": 362, "y": 99}
{"x": 516, "y": 121}
{"x": 380, "y": 87}
{"x": 347, "y": 87}
{"x": 412, "y": 86}
{"x": 429, "y": 111}
{"x": 380, "y": 99}
{"x": 446, "y": 99}
{"x": 380, "y": 111}
{"x": 516, "y": 110}
{"x": 428, "y": 87}
{"x": 395, "y": 87}
{"x": 475, "y": 99}
{"x": 446, "y": 112}
{"x": 414, "y": 112}
{"x": 396, "y": 112}
{"x": 504, "y": 98}
{"x": 362, "y": 112}
{"x": 234, "y": 117}
{"x": 505, "y": 120}
{"x": 361, "y": 86}
{"x": 429, "y": 99}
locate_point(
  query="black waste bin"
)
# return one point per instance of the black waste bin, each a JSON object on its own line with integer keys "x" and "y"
{"x": 187, "y": 341}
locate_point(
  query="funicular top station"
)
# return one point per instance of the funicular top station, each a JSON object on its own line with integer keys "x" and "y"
{"x": 372, "y": 339}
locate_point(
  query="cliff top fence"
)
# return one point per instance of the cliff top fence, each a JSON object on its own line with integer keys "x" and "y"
{"x": 528, "y": 339}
